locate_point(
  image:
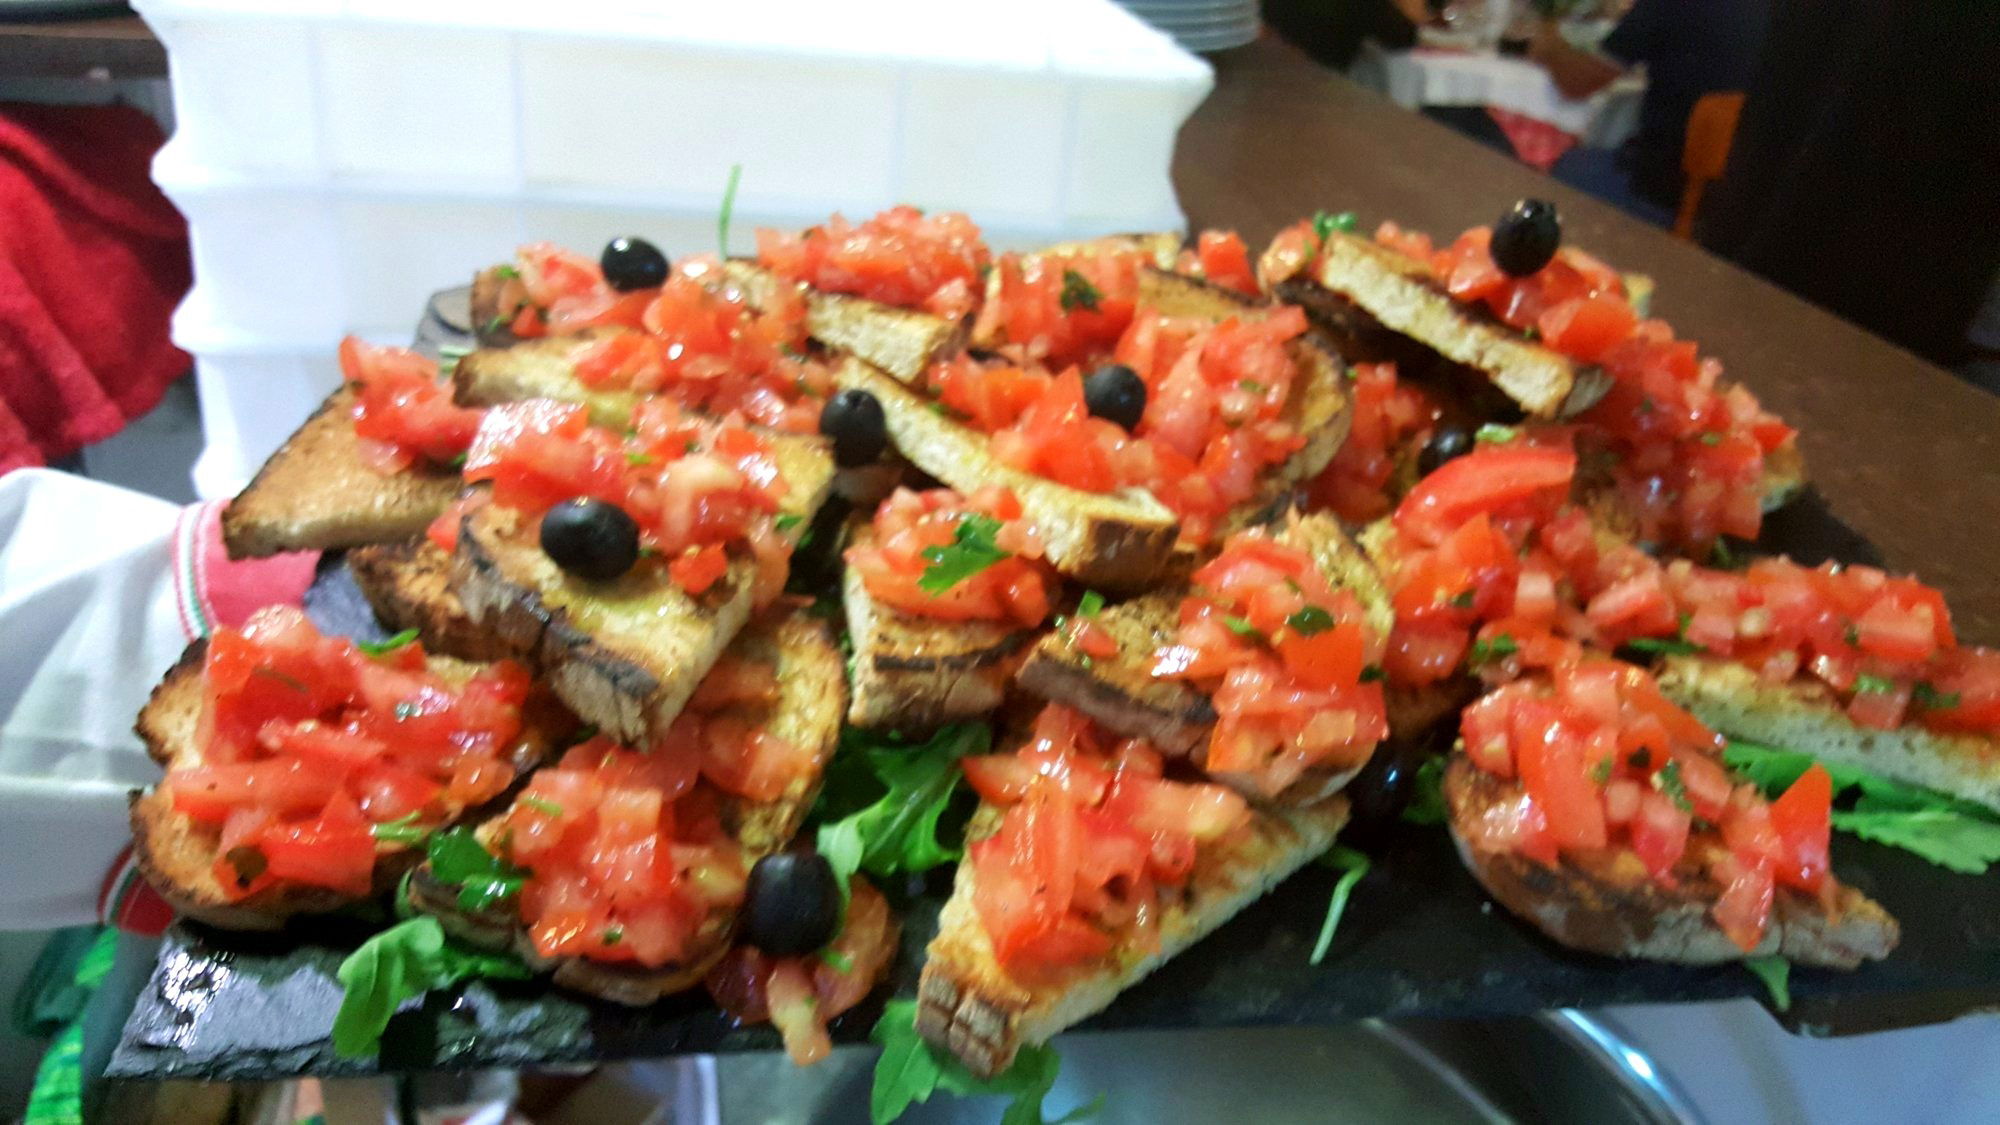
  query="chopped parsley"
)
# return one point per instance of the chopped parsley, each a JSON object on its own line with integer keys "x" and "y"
{"x": 506, "y": 272}
{"x": 541, "y": 805}
{"x": 457, "y": 858}
{"x": 1931, "y": 699}
{"x": 1496, "y": 434}
{"x": 1310, "y": 621}
{"x": 638, "y": 457}
{"x": 1241, "y": 627}
{"x": 1668, "y": 781}
{"x": 1251, "y": 385}
{"x": 1462, "y": 600}
{"x": 787, "y": 521}
{"x": 1324, "y": 224}
{"x": 1873, "y": 685}
{"x": 1487, "y": 651}
{"x": 1372, "y": 673}
{"x": 388, "y": 644}
{"x": 1711, "y": 438}
{"x": 971, "y": 550}
{"x": 1078, "y": 293}
{"x": 458, "y": 461}
{"x": 1852, "y": 636}
{"x": 1601, "y": 772}
{"x": 1090, "y": 604}
{"x": 402, "y": 830}
{"x": 1721, "y": 555}
{"x": 838, "y": 961}
{"x": 614, "y": 934}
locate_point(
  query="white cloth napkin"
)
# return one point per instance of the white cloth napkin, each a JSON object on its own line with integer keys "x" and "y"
{"x": 88, "y": 624}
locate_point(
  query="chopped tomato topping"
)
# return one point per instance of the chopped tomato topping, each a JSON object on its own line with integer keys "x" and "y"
{"x": 308, "y": 743}
{"x": 402, "y": 414}
{"x": 1221, "y": 257}
{"x": 1499, "y": 481}
{"x": 701, "y": 490}
{"x": 997, "y": 575}
{"x": 553, "y": 291}
{"x": 1603, "y": 760}
{"x": 627, "y": 860}
{"x": 1284, "y": 657}
{"x": 1091, "y": 841}
{"x": 1389, "y": 418}
{"x": 799, "y": 995}
{"x": 900, "y": 257}
{"x": 1062, "y": 309}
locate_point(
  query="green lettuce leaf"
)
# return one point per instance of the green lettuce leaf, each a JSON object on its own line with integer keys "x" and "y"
{"x": 886, "y": 803}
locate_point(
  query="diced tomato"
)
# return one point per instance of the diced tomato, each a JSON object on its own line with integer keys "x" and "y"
{"x": 1226, "y": 261}
{"x": 1491, "y": 480}
{"x": 1801, "y": 815}
{"x": 1588, "y": 327}
{"x": 900, "y": 257}
{"x": 915, "y": 532}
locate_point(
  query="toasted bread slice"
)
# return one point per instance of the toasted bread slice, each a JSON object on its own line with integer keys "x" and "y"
{"x": 913, "y": 673}
{"x": 1608, "y": 904}
{"x": 541, "y": 368}
{"x": 901, "y": 342}
{"x": 1399, "y": 294}
{"x": 806, "y": 714}
{"x": 1113, "y": 541}
{"x": 1122, "y": 694}
{"x": 969, "y": 1005}
{"x": 408, "y": 585}
{"x": 1805, "y": 715}
{"x": 177, "y": 854}
{"x": 316, "y": 493}
{"x": 625, "y": 654}
{"x": 493, "y": 307}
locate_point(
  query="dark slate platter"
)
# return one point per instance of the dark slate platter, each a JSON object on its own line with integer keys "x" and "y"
{"x": 1419, "y": 939}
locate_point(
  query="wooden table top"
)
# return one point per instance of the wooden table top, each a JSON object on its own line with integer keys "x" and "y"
{"x": 102, "y": 47}
{"x": 1902, "y": 451}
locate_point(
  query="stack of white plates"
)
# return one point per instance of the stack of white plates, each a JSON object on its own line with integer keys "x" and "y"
{"x": 1200, "y": 25}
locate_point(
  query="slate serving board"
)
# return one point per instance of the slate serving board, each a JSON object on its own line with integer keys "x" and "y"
{"x": 1419, "y": 939}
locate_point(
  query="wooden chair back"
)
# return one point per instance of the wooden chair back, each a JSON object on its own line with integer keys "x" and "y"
{"x": 1711, "y": 130}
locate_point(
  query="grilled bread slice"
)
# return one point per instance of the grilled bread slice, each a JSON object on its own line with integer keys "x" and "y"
{"x": 1113, "y": 540}
{"x": 969, "y": 1005}
{"x": 541, "y": 368}
{"x": 408, "y": 585}
{"x": 914, "y": 673}
{"x": 901, "y": 342}
{"x": 177, "y": 854}
{"x": 806, "y": 714}
{"x": 625, "y": 654}
{"x": 1122, "y": 694}
{"x": 316, "y": 493}
{"x": 1805, "y": 715}
{"x": 1607, "y": 903}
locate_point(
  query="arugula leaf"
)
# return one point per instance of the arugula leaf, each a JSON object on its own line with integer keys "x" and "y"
{"x": 1353, "y": 866}
{"x": 1325, "y": 224}
{"x": 482, "y": 878}
{"x": 401, "y": 963}
{"x": 1310, "y": 621}
{"x": 1427, "y": 797}
{"x": 900, "y": 830}
{"x": 1955, "y": 841}
{"x": 910, "y": 1071}
{"x": 388, "y": 644}
{"x": 723, "y": 216}
{"x": 1776, "y": 973}
{"x": 1078, "y": 293}
{"x": 1485, "y": 652}
{"x": 971, "y": 550}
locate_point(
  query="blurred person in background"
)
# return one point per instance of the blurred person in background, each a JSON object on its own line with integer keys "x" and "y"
{"x": 1865, "y": 174}
{"x": 1332, "y": 31}
{"x": 1689, "y": 48}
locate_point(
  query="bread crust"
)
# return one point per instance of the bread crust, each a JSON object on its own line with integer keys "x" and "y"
{"x": 1607, "y": 903}
{"x": 901, "y": 342}
{"x": 542, "y": 368}
{"x": 408, "y": 585}
{"x": 316, "y": 493}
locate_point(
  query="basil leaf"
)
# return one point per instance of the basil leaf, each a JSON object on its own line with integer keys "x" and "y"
{"x": 457, "y": 858}
{"x": 1078, "y": 293}
{"x": 971, "y": 550}
{"x": 1776, "y": 973}
{"x": 911, "y": 1070}
{"x": 401, "y": 963}
{"x": 1310, "y": 621}
{"x": 1354, "y": 865}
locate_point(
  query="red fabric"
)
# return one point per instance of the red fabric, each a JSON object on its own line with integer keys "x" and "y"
{"x": 1536, "y": 142}
{"x": 92, "y": 261}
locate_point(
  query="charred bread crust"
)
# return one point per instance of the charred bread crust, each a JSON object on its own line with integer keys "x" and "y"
{"x": 1608, "y": 904}
{"x": 490, "y": 322}
{"x": 899, "y": 341}
{"x": 914, "y": 673}
{"x": 968, "y": 1005}
{"x": 1806, "y": 715}
{"x": 541, "y": 368}
{"x": 1109, "y": 541}
{"x": 408, "y": 585}
{"x": 316, "y": 493}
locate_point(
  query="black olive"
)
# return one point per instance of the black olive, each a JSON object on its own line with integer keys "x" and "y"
{"x": 792, "y": 905}
{"x": 1526, "y": 237}
{"x": 1115, "y": 393}
{"x": 853, "y": 419}
{"x": 1447, "y": 442}
{"x": 1379, "y": 793}
{"x": 590, "y": 538}
{"x": 633, "y": 263}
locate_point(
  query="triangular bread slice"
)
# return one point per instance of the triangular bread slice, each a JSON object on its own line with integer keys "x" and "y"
{"x": 316, "y": 493}
{"x": 177, "y": 854}
{"x": 901, "y": 342}
{"x": 1804, "y": 715}
{"x": 624, "y": 654}
{"x": 914, "y": 673}
{"x": 969, "y": 1005}
{"x": 1122, "y": 694}
{"x": 1606, "y": 903}
{"x": 806, "y": 713}
{"x": 541, "y": 368}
